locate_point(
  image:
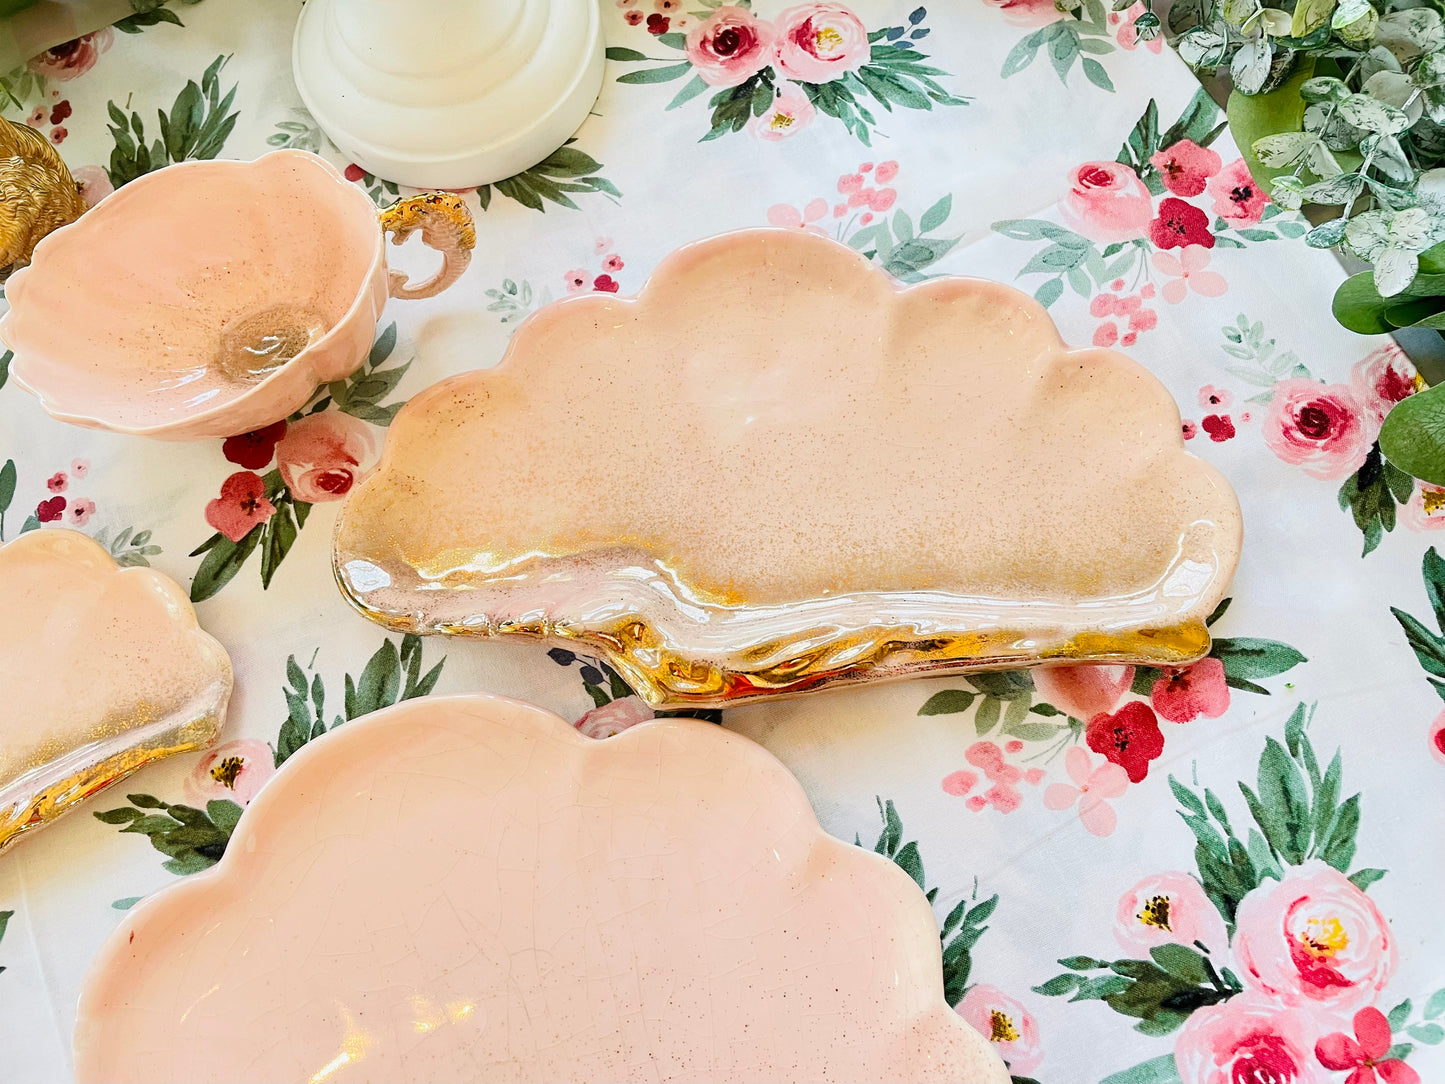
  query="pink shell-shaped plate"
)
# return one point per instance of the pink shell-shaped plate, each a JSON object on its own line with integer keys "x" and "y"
{"x": 466, "y": 889}
{"x": 102, "y": 670}
{"x": 773, "y": 470}
{"x": 128, "y": 319}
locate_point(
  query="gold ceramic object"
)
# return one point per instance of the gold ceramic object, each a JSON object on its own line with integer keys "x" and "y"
{"x": 773, "y": 471}
{"x": 37, "y": 193}
{"x": 446, "y": 225}
{"x": 103, "y": 670}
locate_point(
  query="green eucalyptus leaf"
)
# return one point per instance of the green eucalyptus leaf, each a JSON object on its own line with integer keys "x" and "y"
{"x": 1413, "y": 436}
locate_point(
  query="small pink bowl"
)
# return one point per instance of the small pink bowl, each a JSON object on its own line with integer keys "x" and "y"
{"x": 211, "y": 298}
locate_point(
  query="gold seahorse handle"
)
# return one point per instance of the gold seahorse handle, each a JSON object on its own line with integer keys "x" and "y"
{"x": 446, "y": 225}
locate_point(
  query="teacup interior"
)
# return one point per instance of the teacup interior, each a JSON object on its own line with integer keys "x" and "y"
{"x": 186, "y": 289}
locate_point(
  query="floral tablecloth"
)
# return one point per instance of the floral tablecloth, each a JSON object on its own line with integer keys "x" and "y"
{"x": 1139, "y": 876}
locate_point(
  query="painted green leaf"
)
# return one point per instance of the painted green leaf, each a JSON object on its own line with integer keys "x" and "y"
{"x": 1436, "y": 1005}
{"x": 5, "y": 358}
{"x": 1160, "y": 1070}
{"x": 617, "y": 52}
{"x": 936, "y": 215}
{"x": 656, "y": 75}
{"x": 1246, "y": 657}
{"x": 223, "y": 560}
{"x": 1371, "y": 495}
{"x": 947, "y": 702}
{"x": 1364, "y": 878}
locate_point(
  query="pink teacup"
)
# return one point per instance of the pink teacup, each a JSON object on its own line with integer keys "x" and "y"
{"x": 211, "y": 298}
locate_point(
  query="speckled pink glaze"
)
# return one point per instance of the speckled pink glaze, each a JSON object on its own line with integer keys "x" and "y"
{"x": 466, "y": 889}
{"x": 116, "y": 322}
{"x": 773, "y": 469}
{"x": 102, "y": 669}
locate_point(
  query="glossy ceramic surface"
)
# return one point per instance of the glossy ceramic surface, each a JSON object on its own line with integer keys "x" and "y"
{"x": 773, "y": 470}
{"x": 260, "y": 280}
{"x": 103, "y": 669}
{"x": 466, "y": 889}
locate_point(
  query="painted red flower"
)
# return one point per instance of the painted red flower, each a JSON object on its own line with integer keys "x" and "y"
{"x": 62, "y": 111}
{"x": 1129, "y": 738}
{"x": 1220, "y": 427}
{"x": 658, "y": 24}
{"x": 57, "y": 482}
{"x": 241, "y": 506}
{"x": 254, "y": 450}
{"x": 1364, "y": 1055}
{"x": 1190, "y": 430}
{"x": 1185, "y": 167}
{"x": 1185, "y": 694}
{"x": 1179, "y": 224}
{"x": 51, "y": 510}
{"x": 354, "y": 173}
{"x": 605, "y": 283}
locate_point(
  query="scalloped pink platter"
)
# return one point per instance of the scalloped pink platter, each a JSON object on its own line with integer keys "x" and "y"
{"x": 773, "y": 470}
{"x": 466, "y": 889}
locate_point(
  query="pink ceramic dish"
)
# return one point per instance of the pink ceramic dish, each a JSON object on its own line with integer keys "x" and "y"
{"x": 102, "y": 670}
{"x": 466, "y": 889}
{"x": 773, "y": 470}
{"x": 211, "y": 298}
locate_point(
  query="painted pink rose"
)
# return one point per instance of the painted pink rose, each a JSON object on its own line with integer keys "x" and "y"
{"x": 818, "y": 43}
{"x": 1003, "y": 1021}
{"x": 1092, "y": 789}
{"x": 729, "y": 46}
{"x": 1247, "y": 1038}
{"x": 1083, "y": 691}
{"x": 234, "y": 771}
{"x": 615, "y": 717}
{"x": 1383, "y": 379}
{"x": 1167, "y": 908}
{"x": 94, "y": 184}
{"x": 1191, "y": 691}
{"x": 1027, "y": 12}
{"x": 1425, "y": 510}
{"x": 789, "y": 114}
{"x": 1323, "y": 428}
{"x": 1107, "y": 202}
{"x": 73, "y": 58}
{"x": 1236, "y": 196}
{"x": 321, "y": 456}
{"x": 1437, "y": 738}
{"x": 1314, "y": 938}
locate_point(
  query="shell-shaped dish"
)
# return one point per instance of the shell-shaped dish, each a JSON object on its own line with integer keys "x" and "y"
{"x": 773, "y": 470}
{"x": 103, "y": 669}
{"x": 466, "y": 889}
{"x": 201, "y": 300}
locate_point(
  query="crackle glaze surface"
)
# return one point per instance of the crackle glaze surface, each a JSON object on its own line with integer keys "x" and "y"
{"x": 814, "y": 478}
{"x": 109, "y": 340}
{"x": 103, "y": 670}
{"x": 465, "y": 888}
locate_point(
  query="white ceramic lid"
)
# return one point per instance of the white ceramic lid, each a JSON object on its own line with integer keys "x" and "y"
{"x": 448, "y": 93}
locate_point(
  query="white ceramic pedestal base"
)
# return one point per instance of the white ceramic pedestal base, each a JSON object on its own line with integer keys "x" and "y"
{"x": 448, "y": 93}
